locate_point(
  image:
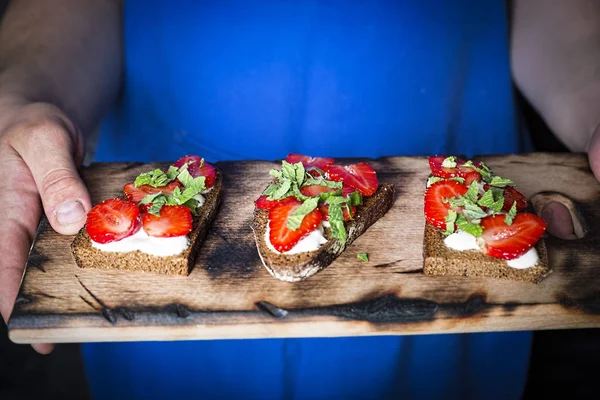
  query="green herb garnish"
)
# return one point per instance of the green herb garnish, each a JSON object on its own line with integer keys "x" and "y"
{"x": 363, "y": 257}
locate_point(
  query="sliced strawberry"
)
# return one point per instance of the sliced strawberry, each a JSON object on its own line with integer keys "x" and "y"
{"x": 195, "y": 169}
{"x": 112, "y": 220}
{"x": 173, "y": 221}
{"x": 436, "y": 209}
{"x": 324, "y": 209}
{"x": 510, "y": 241}
{"x": 136, "y": 194}
{"x": 360, "y": 176}
{"x": 308, "y": 161}
{"x": 282, "y": 237}
{"x": 264, "y": 203}
{"x": 346, "y": 190}
{"x": 469, "y": 174}
{"x": 510, "y": 196}
{"x": 315, "y": 190}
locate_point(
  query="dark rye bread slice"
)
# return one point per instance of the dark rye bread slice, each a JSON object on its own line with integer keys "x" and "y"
{"x": 441, "y": 260}
{"x": 87, "y": 256}
{"x": 297, "y": 267}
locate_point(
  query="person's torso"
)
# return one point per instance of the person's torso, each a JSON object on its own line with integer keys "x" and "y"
{"x": 244, "y": 79}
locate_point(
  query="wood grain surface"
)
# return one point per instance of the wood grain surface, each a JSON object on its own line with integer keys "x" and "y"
{"x": 229, "y": 294}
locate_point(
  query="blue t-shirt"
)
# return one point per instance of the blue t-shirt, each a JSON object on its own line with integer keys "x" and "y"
{"x": 257, "y": 80}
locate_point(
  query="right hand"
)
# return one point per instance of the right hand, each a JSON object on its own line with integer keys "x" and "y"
{"x": 40, "y": 149}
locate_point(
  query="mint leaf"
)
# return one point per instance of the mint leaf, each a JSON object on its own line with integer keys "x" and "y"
{"x": 157, "y": 204}
{"x": 473, "y": 192}
{"x": 449, "y": 162}
{"x": 322, "y": 182}
{"x": 192, "y": 204}
{"x": 275, "y": 173}
{"x": 172, "y": 172}
{"x": 498, "y": 181}
{"x": 282, "y": 191}
{"x": 469, "y": 227}
{"x": 293, "y": 172}
{"x": 270, "y": 190}
{"x": 354, "y": 199}
{"x": 185, "y": 178}
{"x": 295, "y": 219}
{"x": 195, "y": 187}
{"x": 336, "y": 220}
{"x": 150, "y": 198}
{"x": 455, "y": 202}
{"x": 487, "y": 200}
{"x": 363, "y": 257}
{"x": 450, "y": 220}
{"x": 512, "y": 213}
{"x": 472, "y": 211}
{"x": 153, "y": 178}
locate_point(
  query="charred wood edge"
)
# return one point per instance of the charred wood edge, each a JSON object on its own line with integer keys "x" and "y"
{"x": 589, "y": 304}
{"x": 110, "y": 314}
{"x": 35, "y": 259}
{"x": 383, "y": 310}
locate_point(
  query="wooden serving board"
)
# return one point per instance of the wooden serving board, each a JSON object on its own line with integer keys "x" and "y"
{"x": 229, "y": 294}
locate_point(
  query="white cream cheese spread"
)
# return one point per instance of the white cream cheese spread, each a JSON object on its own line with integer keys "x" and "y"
{"x": 310, "y": 242}
{"x": 156, "y": 246}
{"x": 462, "y": 241}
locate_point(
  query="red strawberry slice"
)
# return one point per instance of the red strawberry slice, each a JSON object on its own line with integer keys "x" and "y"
{"x": 469, "y": 174}
{"x": 136, "y": 194}
{"x": 283, "y": 238}
{"x": 436, "y": 209}
{"x": 315, "y": 190}
{"x": 173, "y": 221}
{"x": 308, "y": 161}
{"x": 264, "y": 203}
{"x": 510, "y": 241}
{"x": 346, "y": 190}
{"x": 324, "y": 209}
{"x": 113, "y": 220}
{"x": 194, "y": 168}
{"x": 360, "y": 176}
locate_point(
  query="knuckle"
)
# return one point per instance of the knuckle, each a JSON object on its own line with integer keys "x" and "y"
{"x": 57, "y": 181}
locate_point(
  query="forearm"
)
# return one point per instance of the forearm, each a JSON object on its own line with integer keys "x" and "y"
{"x": 64, "y": 52}
{"x": 555, "y": 60}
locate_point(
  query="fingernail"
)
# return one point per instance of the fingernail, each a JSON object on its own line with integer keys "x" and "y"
{"x": 70, "y": 212}
{"x": 547, "y": 214}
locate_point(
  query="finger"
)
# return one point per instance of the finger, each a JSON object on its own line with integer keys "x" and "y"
{"x": 43, "y": 348}
{"x": 49, "y": 148}
{"x": 20, "y": 214}
{"x": 594, "y": 154}
{"x": 559, "y": 221}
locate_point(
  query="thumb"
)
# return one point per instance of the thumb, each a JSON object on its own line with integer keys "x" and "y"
{"x": 51, "y": 149}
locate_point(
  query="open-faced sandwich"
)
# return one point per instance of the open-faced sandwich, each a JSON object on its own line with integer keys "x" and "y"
{"x": 312, "y": 210}
{"x": 157, "y": 225}
{"x": 477, "y": 224}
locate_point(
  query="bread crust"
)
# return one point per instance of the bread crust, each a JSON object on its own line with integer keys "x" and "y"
{"x": 87, "y": 256}
{"x": 298, "y": 267}
{"x": 441, "y": 260}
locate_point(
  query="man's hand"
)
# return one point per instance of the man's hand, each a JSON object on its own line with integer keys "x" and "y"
{"x": 40, "y": 149}
{"x": 555, "y": 60}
